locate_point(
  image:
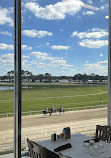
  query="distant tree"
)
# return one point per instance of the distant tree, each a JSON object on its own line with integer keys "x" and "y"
{"x": 101, "y": 78}
{"x": 78, "y": 77}
{"x": 22, "y": 72}
{"x": 92, "y": 76}
{"x": 28, "y": 73}
{"x": 4, "y": 78}
{"x": 10, "y": 73}
{"x": 64, "y": 77}
{"x": 84, "y": 78}
{"x": 34, "y": 77}
{"x": 40, "y": 77}
{"x": 48, "y": 77}
{"x": 97, "y": 77}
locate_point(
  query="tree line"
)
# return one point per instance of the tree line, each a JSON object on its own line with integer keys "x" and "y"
{"x": 27, "y": 75}
{"x": 92, "y": 77}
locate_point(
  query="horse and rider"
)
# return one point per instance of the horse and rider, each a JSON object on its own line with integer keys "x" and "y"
{"x": 52, "y": 110}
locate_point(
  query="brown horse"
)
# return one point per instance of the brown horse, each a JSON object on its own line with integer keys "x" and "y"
{"x": 47, "y": 111}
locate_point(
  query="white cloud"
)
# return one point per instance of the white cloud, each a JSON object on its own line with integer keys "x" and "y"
{"x": 39, "y": 46}
{"x": 101, "y": 55}
{"x": 75, "y": 33}
{"x": 35, "y": 33}
{"x": 60, "y": 47}
{"x": 96, "y": 29}
{"x": 100, "y": 68}
{"x": 7, "y": 59}
{"x": 42, "y": 56}
{"x": 50, "y": 61}
{"x": 6, "y": 33}
{"x": 37, "y": 64}
{"x": 102, "y": 1}
{"x": 29, "y": 1}
{"x": 61, "y": 30}
{"x": 88, "y": 13}
{"x": 47, "y": 44}
{"x": 5, "y": 17}
{"x": 59, "y": 63}
{"x": 93, "y": 43}
{"x": 89, "y": 1}
{"x": 51, "y": 65}
{"x": 54, "y": 12}
{"x": 25, "y": 47}
{"x": 4, "y": 46}
{"x": 7, "y": 62}
{"x": 93, "y": 33}
{"x": 104, "y": 7}
{"x": 89, "y": 38}
{"x": 25, "y": 56}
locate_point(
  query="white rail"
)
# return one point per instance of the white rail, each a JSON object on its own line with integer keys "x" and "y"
{"x": 66, "y": 109}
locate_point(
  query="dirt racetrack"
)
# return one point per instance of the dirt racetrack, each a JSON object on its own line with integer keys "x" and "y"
{"x": 30, "y": 122}
{"x": 39, "y": 127}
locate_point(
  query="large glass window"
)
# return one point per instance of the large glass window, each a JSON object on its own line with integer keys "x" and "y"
{"x": 65, "y": 61}
{"x": 6, "y": 76}
{"x": 64, "y": 68}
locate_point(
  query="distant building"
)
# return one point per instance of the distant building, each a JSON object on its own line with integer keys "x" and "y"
{"x": 63, "y": 81}
{"x": 26, "y": 80}
{"x": 37, "y": 81}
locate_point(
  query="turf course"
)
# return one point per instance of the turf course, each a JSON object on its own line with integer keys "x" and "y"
{"x": 45, "y": 96}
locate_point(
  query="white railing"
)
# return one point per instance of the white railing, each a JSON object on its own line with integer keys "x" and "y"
{"x": 66, "y": 109}
{"x": 86, "y": 107}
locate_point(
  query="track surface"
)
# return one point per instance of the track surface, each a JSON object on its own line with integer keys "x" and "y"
{"x": 39, "y": 123}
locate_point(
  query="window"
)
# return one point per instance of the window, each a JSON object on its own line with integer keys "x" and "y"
{"x": 64, "y": 67}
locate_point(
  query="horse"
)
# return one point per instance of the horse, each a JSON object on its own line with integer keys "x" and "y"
{"x": 60, "y": 110}
{"x": 47, "y": 111}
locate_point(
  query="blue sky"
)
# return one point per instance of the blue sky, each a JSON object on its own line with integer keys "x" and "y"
{"x": 58, "y": 37}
